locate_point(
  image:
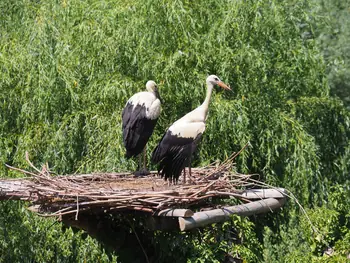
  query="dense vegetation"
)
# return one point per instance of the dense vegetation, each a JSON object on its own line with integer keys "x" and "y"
{"x": 67, "y": 68}
{"x": 332, "y": 35}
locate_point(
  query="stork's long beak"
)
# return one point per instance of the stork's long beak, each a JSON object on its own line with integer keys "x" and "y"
{"x": 223, "y": 85}
{"x": 158, "y": 96}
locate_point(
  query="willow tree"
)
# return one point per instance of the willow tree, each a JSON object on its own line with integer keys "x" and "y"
{"x": 333, "y": 38}
{"x": 68, "y": 67}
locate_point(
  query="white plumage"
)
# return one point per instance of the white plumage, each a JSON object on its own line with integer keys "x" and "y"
{"x": 150, "y": 102}
{"x": 187, "y": 129}
{"x": 179, "y": 142}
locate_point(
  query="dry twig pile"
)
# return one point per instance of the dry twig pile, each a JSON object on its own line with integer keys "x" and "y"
{"x": 102, "y": 192}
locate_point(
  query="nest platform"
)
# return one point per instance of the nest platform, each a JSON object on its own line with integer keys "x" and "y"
{"x": 215, "y": 193}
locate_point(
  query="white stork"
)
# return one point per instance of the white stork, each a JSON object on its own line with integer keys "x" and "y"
{"x": 139, "y": 116}
{"x": 179, "y": 142}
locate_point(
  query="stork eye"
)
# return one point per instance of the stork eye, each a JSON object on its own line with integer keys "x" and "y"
{"x": 216, "y": 79}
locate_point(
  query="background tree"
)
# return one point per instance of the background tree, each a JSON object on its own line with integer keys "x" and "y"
{"x": 68, "y": 67}
{"x": 333, "y": 36}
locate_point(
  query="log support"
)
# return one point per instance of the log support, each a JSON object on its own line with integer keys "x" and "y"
{"x": 176, "y": 213}
{"x": 201, "y": 219}
{"x": 252, "y": 194}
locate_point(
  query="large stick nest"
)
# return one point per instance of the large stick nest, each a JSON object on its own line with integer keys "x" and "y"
{"x": 103, "y": 192}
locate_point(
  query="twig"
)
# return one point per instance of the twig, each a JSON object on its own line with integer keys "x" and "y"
{"x": 77, "y": 213}
{"x": 203, "y": 190}
{"x": 291, "y": 196}
{"x": 20, "y": 170}
{"x": 31, "y": 164}
{"x": 138, "y": 239}
{"x": 230, "y": 159}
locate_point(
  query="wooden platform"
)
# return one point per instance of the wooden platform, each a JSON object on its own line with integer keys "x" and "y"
{"x": 215, "y": 193}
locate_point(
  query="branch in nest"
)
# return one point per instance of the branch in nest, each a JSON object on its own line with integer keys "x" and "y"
{"x": 62, "y": 195}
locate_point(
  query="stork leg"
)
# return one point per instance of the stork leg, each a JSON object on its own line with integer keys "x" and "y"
{"x": 189, "y": 170}
{"x": 184, "y": 175}
{"x": 142, "y": 169}
{"x": 145, "y": 160}
{"x": 140, "y": 162}
{"x": 139, "y": 168}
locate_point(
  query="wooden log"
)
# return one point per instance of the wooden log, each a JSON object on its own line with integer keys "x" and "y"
{"x": 254, "y": 194}
{"x": 16, "y": 189}
{"x": 201, "y": 219}
{"x": 176, "y": 213}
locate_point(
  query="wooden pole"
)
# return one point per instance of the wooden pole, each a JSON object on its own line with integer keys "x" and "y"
{"x": 201, "y": 219}
{"x": 264, "y": 193}
{"x": 176, "y": 213}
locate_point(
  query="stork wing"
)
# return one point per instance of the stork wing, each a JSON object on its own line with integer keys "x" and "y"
{"x": 137, "y": 128}
{"x": 177, "y": 137}
{"x": 175, "y": 148}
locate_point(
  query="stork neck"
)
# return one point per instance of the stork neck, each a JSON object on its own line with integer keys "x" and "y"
{"x": 207, "y": 98}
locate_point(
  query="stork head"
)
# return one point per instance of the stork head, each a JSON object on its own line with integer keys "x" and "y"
{"x": 151, "y": 86}
{"x": 214, "y": 80}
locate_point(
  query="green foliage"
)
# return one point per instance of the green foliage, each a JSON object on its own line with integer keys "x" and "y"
{"x": 333, "y": 34}
{"x": 26, "y": 238}
{"x": 75, "y": 70}
{"x": 288, "y": 244}
{"x": 325, "y": 220}
{"x": 297, "y": 242}
{"x": 67, "y": 67}
{"x": 329, "y": 123}
{"x": 233, "y": 239}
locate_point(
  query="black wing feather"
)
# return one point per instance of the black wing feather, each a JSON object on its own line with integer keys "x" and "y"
{"x": 173, "y": 153}
{"x": 137, "y": 129}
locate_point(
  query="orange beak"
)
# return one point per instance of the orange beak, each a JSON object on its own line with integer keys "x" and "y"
{"x": 223, "y": 85}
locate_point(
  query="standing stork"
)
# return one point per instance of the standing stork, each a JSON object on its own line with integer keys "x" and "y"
{"x": 179, "y": 142}
{"x": 139, "y": 116}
